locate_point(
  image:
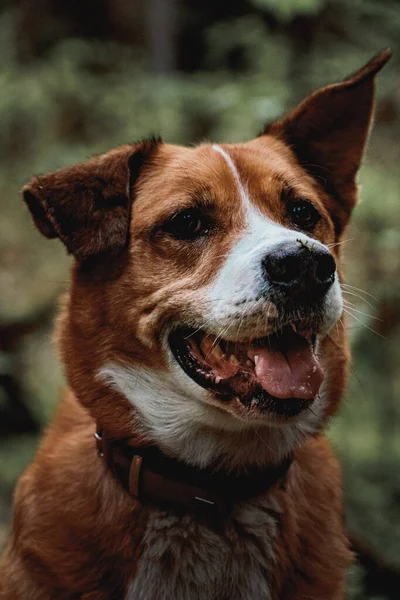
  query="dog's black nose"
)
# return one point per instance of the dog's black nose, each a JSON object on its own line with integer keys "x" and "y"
{"x": 303, "y": 272}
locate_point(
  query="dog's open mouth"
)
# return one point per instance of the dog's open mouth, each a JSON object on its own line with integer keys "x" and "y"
{"x": 280, "y": 372}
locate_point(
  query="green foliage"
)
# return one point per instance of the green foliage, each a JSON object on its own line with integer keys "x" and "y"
{"x": 286, "y": 10}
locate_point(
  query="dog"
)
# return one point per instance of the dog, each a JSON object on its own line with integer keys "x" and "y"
{"x": 204, "y": 348}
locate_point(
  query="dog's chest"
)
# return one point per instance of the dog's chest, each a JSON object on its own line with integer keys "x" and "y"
{"x": 186, "y": 560}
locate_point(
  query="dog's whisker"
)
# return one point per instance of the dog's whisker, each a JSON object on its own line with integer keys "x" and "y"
{"x": 226, "y": 255}
{"x": 216, "y": 341}
{"x": 357, "y": 289}
{"x": 347, "y": 361}
{"x": 364, "y": 324}
{"x": 312, "y": 411}
{"x": 263, "y": 441}
{"x": 186, "y": 337}
{"x": 339, "y": 243}
{"x": 359, "y": 298}
{"x": 351, "y": 308}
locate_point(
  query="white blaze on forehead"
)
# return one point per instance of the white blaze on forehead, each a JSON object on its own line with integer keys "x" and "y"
{"x": 256, "y": 221}
{"x": 242, "y": 190}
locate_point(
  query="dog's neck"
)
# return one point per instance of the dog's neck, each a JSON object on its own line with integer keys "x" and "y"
{"x": 156, "y": 479}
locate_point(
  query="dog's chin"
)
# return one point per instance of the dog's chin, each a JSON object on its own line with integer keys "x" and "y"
{"x": 274, "y": 378}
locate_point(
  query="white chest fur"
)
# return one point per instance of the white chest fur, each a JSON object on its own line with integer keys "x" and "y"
{"x": 186, "y": 560}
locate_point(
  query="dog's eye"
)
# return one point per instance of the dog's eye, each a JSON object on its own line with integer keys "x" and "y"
{"x": 303, "y": 214}
{"x": 187, "y": 225}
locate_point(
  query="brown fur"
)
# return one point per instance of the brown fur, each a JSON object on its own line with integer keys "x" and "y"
{"x": 76, "y": 533}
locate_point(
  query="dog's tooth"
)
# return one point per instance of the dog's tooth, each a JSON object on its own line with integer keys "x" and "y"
{"x": 217, "y": 351}
{"x": 293, "y": 326}
{"x": 256, "y": 357}
{"x": 207, "y": 344}
{"x": 218, "y": 379}
{"x": 234, "y": 360}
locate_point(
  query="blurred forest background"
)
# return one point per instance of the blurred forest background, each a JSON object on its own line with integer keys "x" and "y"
{"x": 80, "y": 76}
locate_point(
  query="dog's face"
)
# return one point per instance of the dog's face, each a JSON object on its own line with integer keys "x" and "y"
{"x": 206, "y": 291}
{"x": 233, "y": 281}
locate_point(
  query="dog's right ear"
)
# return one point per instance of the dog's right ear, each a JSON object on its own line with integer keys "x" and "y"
{"x": 88, "y": 205}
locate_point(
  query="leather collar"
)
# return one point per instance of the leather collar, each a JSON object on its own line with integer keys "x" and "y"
{"x": 154, "y": 478}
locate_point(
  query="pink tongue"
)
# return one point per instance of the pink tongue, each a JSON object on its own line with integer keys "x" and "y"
{"x": 295, "y": 374}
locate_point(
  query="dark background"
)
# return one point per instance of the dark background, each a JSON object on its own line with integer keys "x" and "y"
{"x": 81, "y": 76}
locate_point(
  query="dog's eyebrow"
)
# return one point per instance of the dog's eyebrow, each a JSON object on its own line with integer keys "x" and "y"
{"x": 285, "y": 185}
{"x": 204, "y": 202}
{"x": 288, "y": 190}
{"x": 202, "y": 196}
{"x": 201, "y": 199}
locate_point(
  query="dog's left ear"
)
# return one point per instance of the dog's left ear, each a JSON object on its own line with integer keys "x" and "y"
{"x": 328, "y": 132}
{"x": 88, "y": 205}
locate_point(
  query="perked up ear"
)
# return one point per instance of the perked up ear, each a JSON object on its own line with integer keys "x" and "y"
{"x": 328, "y": 132}
{"x": 88, "y": 205}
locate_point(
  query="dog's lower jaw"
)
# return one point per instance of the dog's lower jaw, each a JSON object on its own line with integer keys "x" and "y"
{"x": 182, "y": 424}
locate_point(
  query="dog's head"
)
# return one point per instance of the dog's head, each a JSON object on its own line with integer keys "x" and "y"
{"x": 205, "y": 306}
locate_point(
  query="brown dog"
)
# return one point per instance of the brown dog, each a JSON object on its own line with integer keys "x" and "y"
{"x": 203, "y": 344}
